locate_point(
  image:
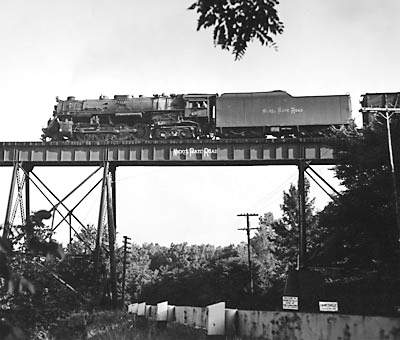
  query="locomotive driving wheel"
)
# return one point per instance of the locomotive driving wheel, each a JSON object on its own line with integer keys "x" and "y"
{"x": 91, "y": 138}
{"x": 142, "y": 130}
{"x": 185, "y": 133}
{"x": 80, "y": 137}
{"x": 158, "y": 134}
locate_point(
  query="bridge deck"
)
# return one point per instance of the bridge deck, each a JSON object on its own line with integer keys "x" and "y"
{"x": 173, "y": 152}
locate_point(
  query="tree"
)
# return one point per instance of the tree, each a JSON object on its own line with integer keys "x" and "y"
{"x": 30, "y": 297}
{"x": 362, "y": 245}
{"x": 282, "y": 235}
{"x": 361, "y": 221}
{"x": 238, "y": 22}
{"x": 263, "y": 252}
{"x": 214, "y": 273}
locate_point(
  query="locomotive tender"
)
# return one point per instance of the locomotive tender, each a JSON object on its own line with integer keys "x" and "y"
{"x": 230, "y": 115}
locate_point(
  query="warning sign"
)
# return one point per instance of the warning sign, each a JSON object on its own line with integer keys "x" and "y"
{"x": 290, "y": 302}
{"x": 325, "y": 306}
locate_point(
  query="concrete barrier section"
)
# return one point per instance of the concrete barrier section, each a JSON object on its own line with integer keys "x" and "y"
{"x": 162, "y": 311}
{"x": 171, "y": 313}
{"x": 191, "y": 316}
{"x": 133, "y": 308}
{"x": 151, "y": 312}
{"x": 141, "y": 309}
{"x": 231, "y": 321}
{"x": 310, "y": 326}
{"x": 216, "y": 319}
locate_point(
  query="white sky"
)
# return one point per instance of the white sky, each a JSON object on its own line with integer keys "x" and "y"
{"x": 93, "y": 47}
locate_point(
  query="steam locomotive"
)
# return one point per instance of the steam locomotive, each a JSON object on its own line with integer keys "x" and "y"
{"x": 186, "y": 116}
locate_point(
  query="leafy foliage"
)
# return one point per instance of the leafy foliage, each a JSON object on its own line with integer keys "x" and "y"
{"x": 277, "y": 242}
{"x": 238, "y": 22}
{"x": 362, "y": 224}
{"x": 31, "y": 297}
{"x": 173, "y": 273}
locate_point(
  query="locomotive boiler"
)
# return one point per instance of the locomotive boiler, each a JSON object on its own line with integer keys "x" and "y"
{"x": 187, "y": 116}
{"x": 127, "y": 118}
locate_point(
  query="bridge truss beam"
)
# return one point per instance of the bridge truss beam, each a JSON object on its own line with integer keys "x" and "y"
{"x": 108, "y": 156}
{"x": 106, "y": 215}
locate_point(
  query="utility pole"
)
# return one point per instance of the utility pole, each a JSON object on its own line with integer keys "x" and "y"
{"x": 387, "y": 113}
{"x": 247, "y": 215}
{"x": 387, "y": 116}
{"x": 126, "y": 251}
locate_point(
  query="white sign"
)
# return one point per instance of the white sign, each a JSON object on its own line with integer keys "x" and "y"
{"x": 290, "y": 302}
{"x": 206, "y": 152}
{"x": 325, "y": 306}
{"x": 141, "y": 309}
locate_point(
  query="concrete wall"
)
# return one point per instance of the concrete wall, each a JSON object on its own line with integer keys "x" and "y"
{"x": 318, "y": 326}
{"x": 241, "y": 324}
{"x": 195, "y": 317}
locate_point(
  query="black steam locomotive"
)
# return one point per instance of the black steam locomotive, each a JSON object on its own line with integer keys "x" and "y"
{"x": 230, "y": 115}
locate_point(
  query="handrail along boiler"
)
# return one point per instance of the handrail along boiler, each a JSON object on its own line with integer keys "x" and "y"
{"x": 186, "y": 116}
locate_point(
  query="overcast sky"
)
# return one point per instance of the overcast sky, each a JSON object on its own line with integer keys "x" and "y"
{"x": 92, "y": 47}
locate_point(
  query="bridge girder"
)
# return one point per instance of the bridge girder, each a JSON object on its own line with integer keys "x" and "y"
{"x": 27, "y": 155}
{"x": 175, "y": 152}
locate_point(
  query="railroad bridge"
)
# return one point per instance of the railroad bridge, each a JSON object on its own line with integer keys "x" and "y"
{"x": 25, "y": 156}
{"x": 175, "y": 152}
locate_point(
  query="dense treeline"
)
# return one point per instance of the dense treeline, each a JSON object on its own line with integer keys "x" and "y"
{"x": 203, "y": 274}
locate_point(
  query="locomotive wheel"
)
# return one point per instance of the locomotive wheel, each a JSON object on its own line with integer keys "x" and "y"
{"x": 158, "y": 134}
{"x": 186, "y": 133}
{"x": 142, "y": 130}
{"x": 80, "y": 137}
{"x": 91, "y": 138}
{"x": 124, "y": 136}
{"x": 85, "y": 137}
{"x": 108, "y": 137}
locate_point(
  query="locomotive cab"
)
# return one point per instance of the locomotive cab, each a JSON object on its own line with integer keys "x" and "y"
{"x": 201, "y": 109}
{"x": 200, "y": 105}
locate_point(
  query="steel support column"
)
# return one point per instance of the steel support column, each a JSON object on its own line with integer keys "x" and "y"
{"x": 113, "y": 169}
{"x": 302, "y": 215}
{"x": 27, "y": 192}
{"x": 107, "y": 206}
{"x": 100, "y": 224}
{"x": 111, "y": 243}
{"x": 70, "y": 228}
{"x": 6, "y": 227}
